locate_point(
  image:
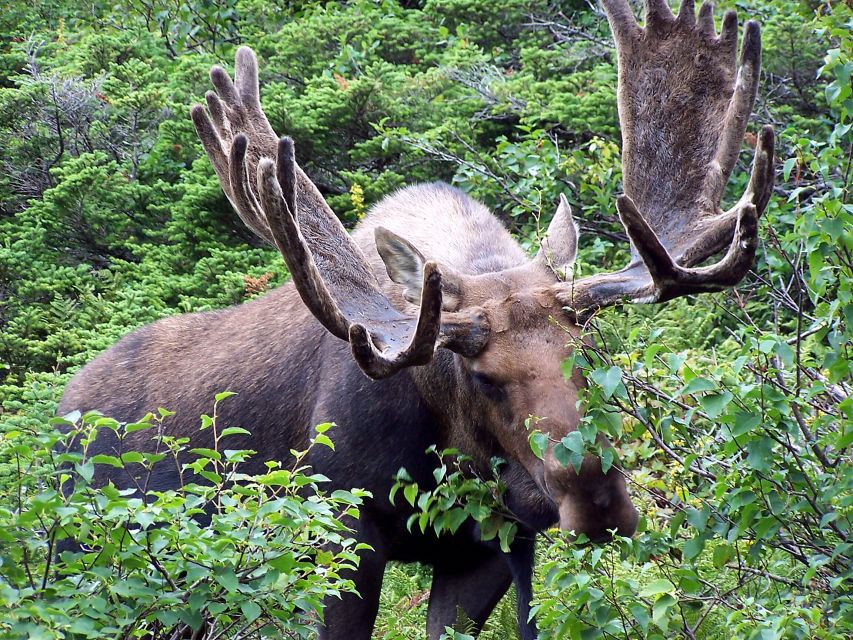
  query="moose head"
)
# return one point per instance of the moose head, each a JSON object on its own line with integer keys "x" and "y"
{"x": 484, "y": 334}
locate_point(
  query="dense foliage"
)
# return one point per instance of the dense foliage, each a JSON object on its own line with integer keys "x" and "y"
{"x": 731, "y": 412}
{"x": 146, "y": 565}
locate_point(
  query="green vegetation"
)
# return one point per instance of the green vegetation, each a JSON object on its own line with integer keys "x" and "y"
{"x": 731, "y": 412}
{"x": 263, "y": 564}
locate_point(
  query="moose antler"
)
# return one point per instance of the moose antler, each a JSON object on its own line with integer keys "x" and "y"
{"x": 284, "y": 207}
{"x": 683, "y": 109}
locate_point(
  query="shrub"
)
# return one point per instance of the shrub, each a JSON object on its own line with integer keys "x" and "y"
{"x": 146, "y": 564}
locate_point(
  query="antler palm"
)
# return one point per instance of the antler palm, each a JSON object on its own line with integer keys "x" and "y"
{"x": 683, "y": 108}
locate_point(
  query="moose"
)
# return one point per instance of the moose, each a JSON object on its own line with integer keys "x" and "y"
{"x": 429, "y": 325}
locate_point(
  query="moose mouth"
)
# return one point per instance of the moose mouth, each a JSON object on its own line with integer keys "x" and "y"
{"x": 586, "y": 523}
{"x": 602, "y": 532}
{"x": 589, "y": 503}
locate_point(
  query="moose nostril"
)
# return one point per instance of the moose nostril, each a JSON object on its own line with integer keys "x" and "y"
{"x": 602, "y": 502}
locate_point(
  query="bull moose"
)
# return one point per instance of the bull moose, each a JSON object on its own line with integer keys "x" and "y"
{"x": 429, "y": 325}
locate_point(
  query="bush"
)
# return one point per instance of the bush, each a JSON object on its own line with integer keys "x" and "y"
{"x": 146, "y": 563}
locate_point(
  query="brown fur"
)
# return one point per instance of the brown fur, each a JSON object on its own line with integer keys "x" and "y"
{"x": 291, "y": 374}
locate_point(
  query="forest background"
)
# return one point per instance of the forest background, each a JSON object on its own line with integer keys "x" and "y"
{"x": 731, "y": 411}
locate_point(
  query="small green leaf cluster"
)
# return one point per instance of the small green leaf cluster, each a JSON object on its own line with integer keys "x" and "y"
{"x": 459, "y": 494}
{"x": 225, "y": 554}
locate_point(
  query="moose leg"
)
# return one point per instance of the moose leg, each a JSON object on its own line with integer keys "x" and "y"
{"x": 475, "y": 589}
{"x": 352, "y": 616}
{"x": 520, "y": 560}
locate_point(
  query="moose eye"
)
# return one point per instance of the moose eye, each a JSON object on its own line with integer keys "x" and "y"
{"x": 488, "y": 386}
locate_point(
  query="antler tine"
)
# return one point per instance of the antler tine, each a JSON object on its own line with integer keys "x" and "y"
{"x": 286, "y": 173}
{"x": 739, "y": 108}
{"x": 422, "y": 345}
{"x": 719, "y": 229}
{"x": 243, "y": 199}
{"x": 622, "y": 22}
{"x": 763, "y": 175}
{"x": 378, "y": 350}
{"x": 687, "y": 11}
{"x": 217, "y": 113}
{"x": 287, "y": 236}
{"x": 211, "y": 142}
{"x": 246, "y": 78}
{"x": 728, "y": 33}
{"x": 658, "y": 13}
{"x": 705, "y": 21}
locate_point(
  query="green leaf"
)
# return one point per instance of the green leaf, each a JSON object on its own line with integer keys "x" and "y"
{"x": 69, "y": 418}
{"x": 283, "y": 563}
{"x": 144, "y": 518}
{"x": 561, "y": 454}
{"x": 410, "y": 492}
{"x": 137, "y": 426}
{"x": 767, "y": 345}
{"x": 722, "y": 554}
{"x": 190, "y": 618}
{"x": 693, "y": 547}
{"x": 219, "y": 397}
{"x": 455, "y": 518}
{"x": 675, "y": 361}
{"x": 231, "y": 431}
{"x": 698, "y": 518}
{"x": 323, "y": 427}
{"x": 608, "y": 456}
{"x": 322, "y": 438}
{"x": 538, "y": 444}
{"x": 660, "y": 611}
{"x": 661, "y": 585}
{"x": 744, "y": 423}
{"x": 608, "y": 380}
{"x": 641, "y": 615}
{"x": 790, "y": 163}
{"x": 696, "y": 385}
{"x": 715, "y": 403}
{"x": 131, "y": 457}
{"x": 228, "y": 579}
{"x": 251, "y": 610}
{"x": 506, "y": 534}
{"x": 105, "y": 459}
{"x": 206, "y": 453}
{"x": 574, "y": 442}
{"x": 785, "y": 353}
{"x": 760, "y": 455}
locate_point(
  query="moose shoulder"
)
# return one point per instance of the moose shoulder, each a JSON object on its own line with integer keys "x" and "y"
{"x": 430, "y": 326}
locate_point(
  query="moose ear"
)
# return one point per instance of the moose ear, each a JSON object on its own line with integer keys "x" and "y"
{"x": 404, "y": 263}
{"x": 560, "y": 246}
